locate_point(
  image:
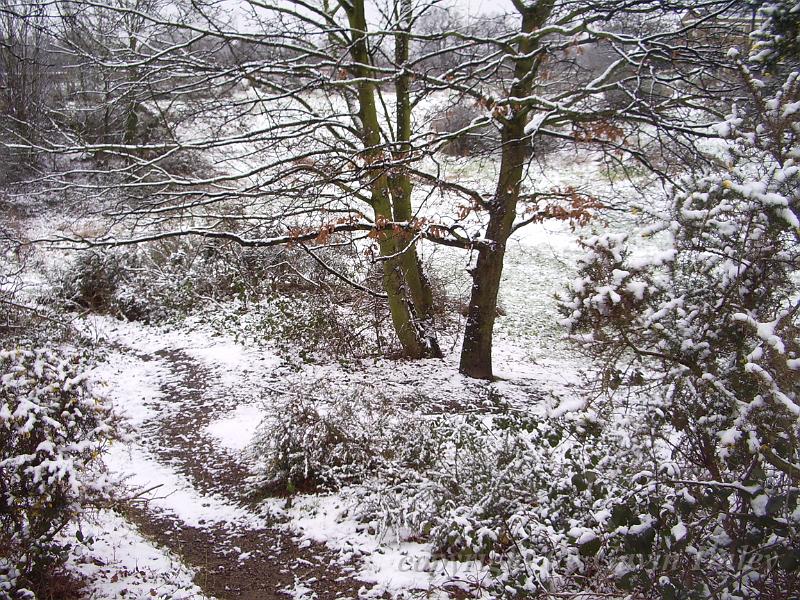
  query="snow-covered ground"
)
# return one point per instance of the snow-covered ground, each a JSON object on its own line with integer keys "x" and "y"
{"x": 118, "y": 562}
{"x": 529, "y": 357}
{"x": 155, "y": 374}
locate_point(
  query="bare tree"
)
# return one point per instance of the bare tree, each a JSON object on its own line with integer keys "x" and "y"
{"x": 325, "y": 156}
{"x": 24, "y": 72}
{"x": 534, "y": 87}
{"x": 313, "y": 116}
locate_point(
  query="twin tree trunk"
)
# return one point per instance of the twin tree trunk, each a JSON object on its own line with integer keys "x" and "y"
{"x": 476, "y": 352}
{"x": 409, "y": 293}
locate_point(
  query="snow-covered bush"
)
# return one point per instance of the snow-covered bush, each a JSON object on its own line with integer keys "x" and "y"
{"x": 777, "y": 36}
{"x": 307, "y": 327}
{"x": 156, "y": 280}
{"x": 278, "y": 295}
{"x": 318, "y": 437}
{"x": 52, "y": 433}
{"x": 703, "y": 332}
{"x": 504, "y": 489}
{"x": 149, "y": 282}
{"x": 459, "y": 117}
{"x": 526, "y": 496}
{"x": 12, "y": 313}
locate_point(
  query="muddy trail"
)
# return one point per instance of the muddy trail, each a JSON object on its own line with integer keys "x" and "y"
{"x": 233, "y": 560}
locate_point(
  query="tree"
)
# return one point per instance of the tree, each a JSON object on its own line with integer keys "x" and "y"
{"x": 658, "y": 75}
{"x": 23, "y": 72}
{"x": 409, "y": 294}
{"x": 704, "y": 332}
{"x": 342, "y": 155}
{"x": 340, "y": 144}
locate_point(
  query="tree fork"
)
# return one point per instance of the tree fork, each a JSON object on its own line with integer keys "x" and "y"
{"x": 400, "y": 273}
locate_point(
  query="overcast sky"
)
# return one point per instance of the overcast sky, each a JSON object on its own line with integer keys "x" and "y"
{"x": 467, "y": 7}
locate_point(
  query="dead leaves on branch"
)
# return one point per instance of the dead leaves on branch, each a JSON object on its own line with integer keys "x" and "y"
{"x": 564, "y": 204}
{"x": 597, "y": 130}
{"x": 406, "y": 231}
{"x": 323, "y": 232}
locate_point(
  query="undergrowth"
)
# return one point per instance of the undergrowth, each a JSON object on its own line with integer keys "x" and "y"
{"x": 587, "y": 502}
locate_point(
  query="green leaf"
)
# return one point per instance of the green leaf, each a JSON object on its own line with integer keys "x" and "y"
{"x": 790, "y": 560}
{"x": 621, "y": 514}
{"x": 640, "y": 543}
{"x": 628, "y": 581}
{"x": 590, "y": 548}
{"x": 669, "y": 591}
{"x": 579, "y": 482}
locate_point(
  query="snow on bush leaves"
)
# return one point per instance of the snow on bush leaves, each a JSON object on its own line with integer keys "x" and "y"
{"x": 318, "y": 438}
{"x": 515, "y": 492}
{"x": 704, "y": 335}
{"x": 52, "y": 433}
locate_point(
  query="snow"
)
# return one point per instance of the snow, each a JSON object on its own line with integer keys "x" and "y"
{"x": 759, "y": 505}
{"x": 535, "y": 123}
{"x": 790, "y": 109}
{"x": 172, "y": 493}
{"x": 133, "y": 383}
{"x": 299, "y": 591}
{"x": 235, "y": 432}
{"x": 393, "y": 565}
{"x": 322, "y": 519}
{"x": 729, "y": 437}
{"x": 679, "y": 532}
{"x": 568, "y": 404}
{"x": 119, "y": 562}
{"x": 582, "y": 535}
{"x": 229, "y": 359}
{"x": 637, "y": 288}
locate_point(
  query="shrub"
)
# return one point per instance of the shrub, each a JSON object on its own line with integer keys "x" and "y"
{"x": 319, "y": 438}
{"x": 20, "y": 316}
{"x": 97, "y": 282}
{"x": 154, "y": 281}
{"x": 158, "y": 279}
{"x": 277, "y": 295}
{"x": 507, "y": 490}
{"x": 305, "y": 327}
{"x": 704, "y": 336}
{"x": 501, "y": 487}
{"x": 9, "y": 280}
{"x": 450, "y": 125}
{"x": 52, "y": 433}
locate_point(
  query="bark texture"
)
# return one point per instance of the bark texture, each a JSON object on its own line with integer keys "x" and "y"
{"x": 476, "y": 352}
{"x": 409, "y": 296}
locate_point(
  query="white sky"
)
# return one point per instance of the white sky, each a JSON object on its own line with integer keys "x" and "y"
{"x": 466, "y": 7}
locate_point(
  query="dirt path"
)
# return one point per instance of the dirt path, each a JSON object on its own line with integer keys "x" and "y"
{"x": 232, "y": 560}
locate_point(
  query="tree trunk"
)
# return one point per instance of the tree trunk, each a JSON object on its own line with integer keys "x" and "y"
{"x": 132, "y": 116}
{"x": 399, "y": 274}
{"x": 417, "y": 283}
{"x": 476, "y": 352}
{"x": 395, "y": 282}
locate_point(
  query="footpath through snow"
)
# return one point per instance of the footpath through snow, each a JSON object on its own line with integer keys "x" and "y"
{"x": 193, "y": 402}
{"x": 195, "y": 516}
